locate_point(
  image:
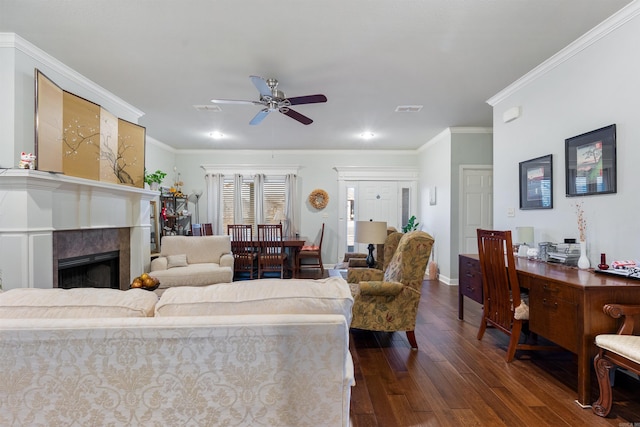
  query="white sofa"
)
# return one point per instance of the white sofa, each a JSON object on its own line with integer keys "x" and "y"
{"x": 193, "y": 261}
{"x": 185, "y": 366}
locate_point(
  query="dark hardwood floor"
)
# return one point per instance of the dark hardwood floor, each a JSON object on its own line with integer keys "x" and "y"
{"x": 456, "y": 380}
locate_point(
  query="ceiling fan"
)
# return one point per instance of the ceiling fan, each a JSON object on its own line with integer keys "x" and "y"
{"x": 273, "y": 99}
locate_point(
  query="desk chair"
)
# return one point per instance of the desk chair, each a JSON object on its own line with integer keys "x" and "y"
{"x": 503, "y": 307}
{"x": 272, "y": 257}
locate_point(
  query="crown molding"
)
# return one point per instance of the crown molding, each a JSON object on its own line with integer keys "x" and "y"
{"x": 12, "y": 40}
{"x": 245, "y": 169}
{"x": 600, "y": 31}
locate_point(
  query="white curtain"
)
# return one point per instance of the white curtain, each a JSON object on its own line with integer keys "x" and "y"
{"x": 238, "y": 218}
{"x": 290, "y": 196}
{"x": 258, "y": 187}
{"x": 215, "y": 203}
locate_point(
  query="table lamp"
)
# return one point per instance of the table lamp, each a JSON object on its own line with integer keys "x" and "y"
{"x": 373, "y": 233}
{"x": 524, "y": 235}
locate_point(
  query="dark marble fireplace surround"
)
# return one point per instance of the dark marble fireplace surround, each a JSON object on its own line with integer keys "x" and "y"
{"x": 74, "y": 243}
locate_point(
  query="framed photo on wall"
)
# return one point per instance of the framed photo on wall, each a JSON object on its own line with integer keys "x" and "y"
{"x": 591, "y": 162}
{"x": 536, "y": 183}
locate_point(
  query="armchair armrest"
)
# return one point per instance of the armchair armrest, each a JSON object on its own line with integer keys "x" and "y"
{"x": 627, "y": 312}
{"x": 357, "y": 275}
{"x": 226, "y": 260}
{"x": 380, "y": 288}
{"x": 159, "y": 263}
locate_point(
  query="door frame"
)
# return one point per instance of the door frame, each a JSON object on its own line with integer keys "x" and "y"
{"x": 349, "y": 176}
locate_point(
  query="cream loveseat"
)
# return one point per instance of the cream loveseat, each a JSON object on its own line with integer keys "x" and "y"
{"x": 193, "y": 261}
{"x": 287, "y": 364}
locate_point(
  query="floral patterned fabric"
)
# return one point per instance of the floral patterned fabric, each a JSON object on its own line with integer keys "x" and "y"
{"x": 395, "y": 312}
{"x": 257, "y": 370}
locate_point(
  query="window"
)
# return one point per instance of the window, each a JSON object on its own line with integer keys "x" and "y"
{"x": 273, "y": 200}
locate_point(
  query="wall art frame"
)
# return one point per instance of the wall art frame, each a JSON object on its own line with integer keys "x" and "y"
{"x": 536, "y": 183}
{"x": 590, "y": 163}
{"x": 78, "y": 137}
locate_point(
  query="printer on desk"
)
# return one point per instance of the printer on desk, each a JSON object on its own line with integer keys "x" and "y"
{"x": 560, "y": 253}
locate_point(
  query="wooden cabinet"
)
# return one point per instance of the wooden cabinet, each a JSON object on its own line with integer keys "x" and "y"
{"x": 469, "y": 282}
{"x": 175, "y": 219}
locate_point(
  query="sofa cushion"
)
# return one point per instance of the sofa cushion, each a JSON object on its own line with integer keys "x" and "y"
{"x": 263, "y": 296}
{"x": 201, "y": 274}
{"x": 177, "y": 261}
{"x": 59, "y": 303}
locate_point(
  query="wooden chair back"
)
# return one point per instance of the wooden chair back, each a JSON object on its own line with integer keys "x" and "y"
{"x": 207, "y": 229}
{"x": 502, "y": 291}
{"x": 313, "y": 252}
{"x": 241, "y": 236}
{"x": 272, "y": 257}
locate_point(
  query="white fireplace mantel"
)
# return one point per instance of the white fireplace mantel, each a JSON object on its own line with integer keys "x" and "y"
{"x": 34, "y": 204}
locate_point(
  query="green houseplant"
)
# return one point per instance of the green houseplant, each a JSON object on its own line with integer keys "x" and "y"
{"x": 411, "y": 225}
{"x": 154, "y": 179}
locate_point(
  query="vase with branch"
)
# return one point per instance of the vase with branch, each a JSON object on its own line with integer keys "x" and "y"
{"x": 583, "y": 261}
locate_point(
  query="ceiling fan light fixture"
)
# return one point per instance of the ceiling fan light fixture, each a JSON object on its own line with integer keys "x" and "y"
{"x": 216, "y": 135}
{"x": 367, "y": 135}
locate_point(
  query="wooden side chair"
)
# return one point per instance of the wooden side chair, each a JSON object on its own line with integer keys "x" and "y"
{"x": 616, "y": 350}
{"x": 272, "y": 256}
{"x": 207, "y": 229}
{"x": 244, "y": 256}
{"x": 503, "y": 307}
{"x": 313, "y": 252}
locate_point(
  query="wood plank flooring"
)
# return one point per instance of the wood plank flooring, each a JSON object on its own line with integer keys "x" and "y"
{"x": 456, "y": 380}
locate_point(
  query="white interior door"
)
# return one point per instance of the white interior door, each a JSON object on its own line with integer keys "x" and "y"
{"x": 476, "y": 207}
{"x": 377, "y": 201}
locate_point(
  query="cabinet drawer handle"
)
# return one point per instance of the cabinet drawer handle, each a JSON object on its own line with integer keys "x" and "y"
{"x": 545, "y": 303}
{"x": 549, "y": 288}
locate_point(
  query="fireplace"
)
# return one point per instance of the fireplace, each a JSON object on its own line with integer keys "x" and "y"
{"x": 93, "y": 258}
{"x": 90, "y": 271}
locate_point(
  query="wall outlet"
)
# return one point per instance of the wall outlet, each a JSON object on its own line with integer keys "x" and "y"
{"x": 511, "y": 212}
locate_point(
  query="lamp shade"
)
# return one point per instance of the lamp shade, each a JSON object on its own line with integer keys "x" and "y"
{"x": 374, "y": 232}
{"x": 524, "y": 235}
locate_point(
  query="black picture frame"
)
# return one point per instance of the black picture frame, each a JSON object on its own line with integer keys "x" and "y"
{"x": 590, "y": 163}
{"x": 536, "y": 183}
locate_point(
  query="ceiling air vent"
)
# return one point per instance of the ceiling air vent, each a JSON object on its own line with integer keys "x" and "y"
{"x": 408, "y": 108}
{"x": 213, "y": 108}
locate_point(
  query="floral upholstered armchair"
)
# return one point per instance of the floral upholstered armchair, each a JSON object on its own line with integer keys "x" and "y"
{"x": 388, "y": 300}
{"x": 358, "y": 267}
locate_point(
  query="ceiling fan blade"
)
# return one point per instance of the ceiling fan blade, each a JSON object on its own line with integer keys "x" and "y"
{"x": 259, "y": 117}
{"x": 261, "y": 85}
{"x": 296, "y": 116}
{"x": 309, "y": 99}
{"x": 235, "y": 101}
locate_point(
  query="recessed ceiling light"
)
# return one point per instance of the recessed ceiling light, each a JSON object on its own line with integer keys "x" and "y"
{"x": 216, "y": 135}
{"x": 367, "y": 135}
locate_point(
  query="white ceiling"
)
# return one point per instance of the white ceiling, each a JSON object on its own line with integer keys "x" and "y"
{"x": 366, "y": 56}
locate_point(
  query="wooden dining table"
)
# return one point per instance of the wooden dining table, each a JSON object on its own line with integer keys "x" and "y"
{"x": 292, "y": 246}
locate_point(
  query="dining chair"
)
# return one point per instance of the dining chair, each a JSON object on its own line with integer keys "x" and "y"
{"x": 196, "y": 229}
{"x": 207, "y": 229}
{"x": 313, "y": 252}
{"x": 244, "y": 256}
{"x": 505, "y": 307}
{"x": 272, "y": 257}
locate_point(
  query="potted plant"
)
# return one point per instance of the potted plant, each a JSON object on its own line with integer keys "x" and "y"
{"x": 411, "y": 225}
{"x": 154, "y": 179}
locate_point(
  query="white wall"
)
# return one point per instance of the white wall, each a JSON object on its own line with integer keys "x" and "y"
{"x": 439, "y": 162}
{"x": 592, "y": 83}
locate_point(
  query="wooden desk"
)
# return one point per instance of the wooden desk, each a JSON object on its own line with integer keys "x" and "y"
{"x": 565, "y": 306}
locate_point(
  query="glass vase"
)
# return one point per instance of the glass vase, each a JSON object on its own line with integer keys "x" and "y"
{"x": 583, "y": 261}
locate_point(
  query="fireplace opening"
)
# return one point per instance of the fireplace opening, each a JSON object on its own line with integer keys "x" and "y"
{"x": 90, "y": 271}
